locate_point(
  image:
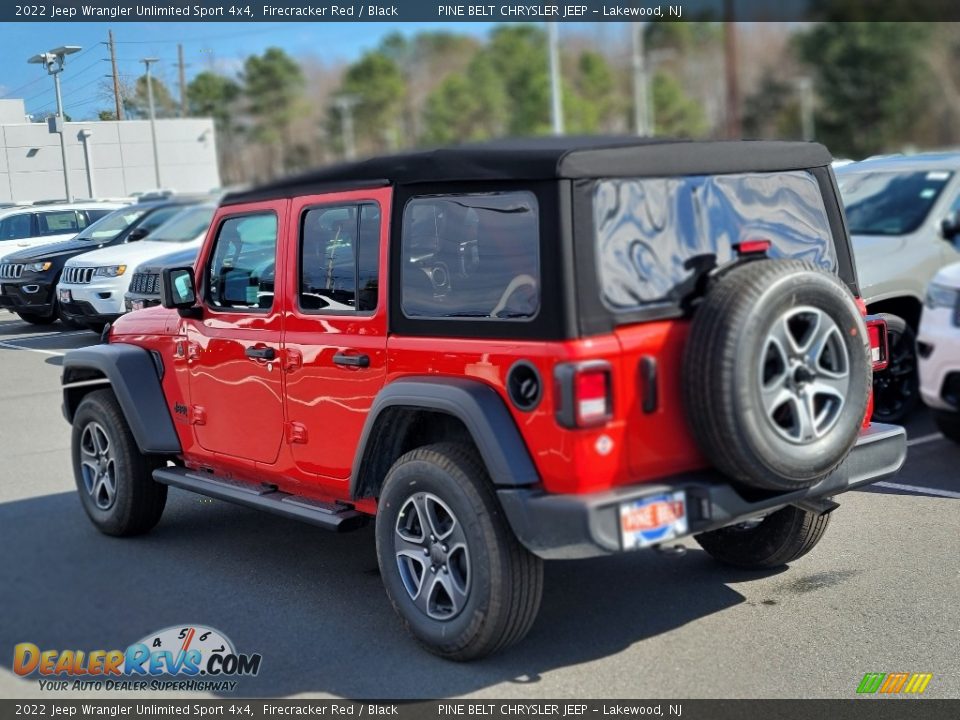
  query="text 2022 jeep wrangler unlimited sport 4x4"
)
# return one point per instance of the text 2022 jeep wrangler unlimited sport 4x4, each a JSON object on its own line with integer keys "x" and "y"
{"x": 504, "y": 353}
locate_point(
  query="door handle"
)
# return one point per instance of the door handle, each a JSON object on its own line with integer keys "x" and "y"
{"x": 351, "y": 360}
{"x": 260, "y": 353}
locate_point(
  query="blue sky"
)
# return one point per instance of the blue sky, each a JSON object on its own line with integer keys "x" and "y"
{"x": 206, "y": 44}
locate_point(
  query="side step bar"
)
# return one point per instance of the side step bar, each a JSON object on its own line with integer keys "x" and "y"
{"x": 338, "y": 518}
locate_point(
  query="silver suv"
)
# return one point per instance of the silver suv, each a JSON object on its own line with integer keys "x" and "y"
{"x": 903, "y": 214}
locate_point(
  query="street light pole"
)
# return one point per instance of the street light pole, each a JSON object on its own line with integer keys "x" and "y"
{"x": 556, "y": 108}
{"x": 53, "y": 61}
{"x": 147, "y": 62}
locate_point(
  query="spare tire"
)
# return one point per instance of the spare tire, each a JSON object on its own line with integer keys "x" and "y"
{"x": 776, "y": 374}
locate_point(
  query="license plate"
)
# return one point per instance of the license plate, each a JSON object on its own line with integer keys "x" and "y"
{"x": 137, "y": 305}
{"x": 65, "y": 296}
{"x": 653, "y": 520}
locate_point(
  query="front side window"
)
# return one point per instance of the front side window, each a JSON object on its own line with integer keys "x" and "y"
{"x": 242, "y": 267}
{"x": 471, "y": 256}
{"x": 654, "y": 234}
{"x": 58, "y": 223}
{"x": 887, "y": 202}
{"x": 15, "y": 227}
{"x": 339, "y": 258}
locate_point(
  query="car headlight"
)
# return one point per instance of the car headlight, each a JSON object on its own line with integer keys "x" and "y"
{"x": 941, "y": 296}
{"x": 111, "y": 270}
{"x": 40, "y": 266}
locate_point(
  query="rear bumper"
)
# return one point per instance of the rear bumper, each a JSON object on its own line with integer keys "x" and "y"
{"x": 579, "y": 526}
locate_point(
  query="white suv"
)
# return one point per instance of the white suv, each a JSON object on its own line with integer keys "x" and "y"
{"x": 938, "y": 350}
{"x": 98, "y": 280}
{"x": 25, "y": 226}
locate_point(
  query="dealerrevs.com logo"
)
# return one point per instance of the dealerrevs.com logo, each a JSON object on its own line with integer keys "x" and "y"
{"x": 199, "y": 657}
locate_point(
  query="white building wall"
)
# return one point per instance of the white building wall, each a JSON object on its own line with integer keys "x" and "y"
{"x": 122, "y": 158}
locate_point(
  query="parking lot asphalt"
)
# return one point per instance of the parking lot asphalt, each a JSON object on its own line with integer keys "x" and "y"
{"x": 881, "y": 593}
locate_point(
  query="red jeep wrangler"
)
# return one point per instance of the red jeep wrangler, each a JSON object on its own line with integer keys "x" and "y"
{"x": 504, "y": 353}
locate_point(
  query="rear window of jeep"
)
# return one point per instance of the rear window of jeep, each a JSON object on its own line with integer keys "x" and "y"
{"x": 651, "y": 231}
{"x": 471, "y": 256}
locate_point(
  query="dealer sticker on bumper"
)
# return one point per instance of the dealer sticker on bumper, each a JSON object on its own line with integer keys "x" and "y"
{"x": 653, "y": 520}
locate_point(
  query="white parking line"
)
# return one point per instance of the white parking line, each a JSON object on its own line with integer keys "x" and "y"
{"x": 924, "y": 439}
{"x": 34, "y": 350}
{"x": 915, "y": 489}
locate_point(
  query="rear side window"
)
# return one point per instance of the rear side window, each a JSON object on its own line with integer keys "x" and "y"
{"x": 58, "y": 223}
{"x": 16, "y": 227}
{"x": 242, "y": 270}
{"x": 339, "y": 258}
{"x": 652, "y": 233}
{"x": 471, "y": 256}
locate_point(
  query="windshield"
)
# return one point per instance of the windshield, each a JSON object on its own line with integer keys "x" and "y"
{"x": 889, "y": 202}
{"x": 109, "y": 227}
{"x": 185, "y": 226}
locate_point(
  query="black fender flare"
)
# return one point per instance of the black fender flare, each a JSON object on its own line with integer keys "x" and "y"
{"x": 477, "y": 405}
{"x": 134, "y": 376}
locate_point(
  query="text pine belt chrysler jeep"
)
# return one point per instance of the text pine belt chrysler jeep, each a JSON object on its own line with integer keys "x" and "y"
{"x": 504, "y": 353}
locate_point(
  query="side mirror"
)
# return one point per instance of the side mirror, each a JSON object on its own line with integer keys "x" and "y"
{"x": 950, "y": 226}
{"x": 177, "y": 288}
{"x": 137, "y": 234}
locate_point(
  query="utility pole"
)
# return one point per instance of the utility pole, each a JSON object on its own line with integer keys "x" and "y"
{"x": 640, "y": 105}
{"x": 53, "y": 61}
{"x": 116, "y": 78}
{"x": 730, "y": 63}
{"x": 556, "y": 108}
{"x": 805, "y": 88}
{"x": 183, "y": 81}
{"x": 345, "y": 104}
{"x": 147, "y": 62}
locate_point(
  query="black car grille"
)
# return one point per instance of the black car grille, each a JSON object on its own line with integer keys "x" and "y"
{"x": 145, "y": 283}
{"x": 10, "y": 271}
{"x": 77, "y": 275}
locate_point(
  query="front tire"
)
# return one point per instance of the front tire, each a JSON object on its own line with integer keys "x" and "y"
{"x": 35, "y": 319}
{"x": 895, "y": 389}
{"x": 778, "y": 539}
{"x": 114, "y": 479}
{"x": 948, "y": 423}
{"x": 456, "y": 575}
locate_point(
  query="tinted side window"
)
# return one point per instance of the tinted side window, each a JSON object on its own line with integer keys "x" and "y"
{"x": 242, "y": 268}
{"x": 339, "y": 256}
{"x": 16, "y": 227}
{"x": 58, "y": 223}
{"x": 471, "y": 256}
{"x": 94, "y": 215}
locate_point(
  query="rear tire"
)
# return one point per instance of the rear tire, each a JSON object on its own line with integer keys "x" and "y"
{"x": 114, "y": 479}
{"x": 896, "y": 389}
{"x": 948, "y": 423}
{"x": 483, "y": 588}
{"x": 35, "y": 319}
{"x": 778, "y": 539}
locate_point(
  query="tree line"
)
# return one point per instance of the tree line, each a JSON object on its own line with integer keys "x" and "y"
{"x": 877, "y": 87}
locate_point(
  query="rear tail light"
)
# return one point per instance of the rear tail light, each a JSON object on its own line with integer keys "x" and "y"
{"x": 879, "y": 348}
{"x": 585, "y": 394}
{"x": 752, "y": 247}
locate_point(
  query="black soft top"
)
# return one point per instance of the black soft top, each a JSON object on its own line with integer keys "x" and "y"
{"x": 549, "y": 158}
